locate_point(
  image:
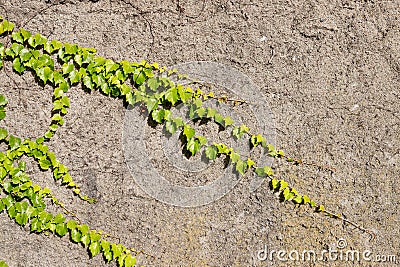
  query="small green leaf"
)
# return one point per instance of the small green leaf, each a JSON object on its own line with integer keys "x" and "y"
{"x": 65, "y": 101}
{"x": 70, "y": 49}
{"x": 25, "y": 55}
{"x": 306, "y": 199}
{"x": 241, "y": 166}
{"x": 94, "y": 248}
{"x": 3, "y": 100}
{"x": 264, "y": 171}
{"x": 193, "y": 146}
{"x": 85, "y": 240}
{"x": 3, "y": 133}
{"x": 153, "y": 83}
{"x": 202, "y": 140}
{"x": 14, "y": 142}
{"x": 158, "y": 115}
{"x": 61, "y": 229}
{"x": 286, "y": 194}
{"x": 17, "y": 37}
{"x": 250, "y": 162}
{"x": 67, "y": 179}
{"x": 275, "y": 184}
{"x": 211, "y": 152}
{"x": 74, "y": 76}
{"x": 67, "y": 68}
{"x": 228, "y": 121}
{"x": 218, "y": 118}
{"x": 117, "y": 250}
{"x": 172, "y": 95}
{"x": 211, "y": 112}
{"x": 298, "y": 199}
{"x": 17, "y": 65}
{"x": 151, "y": 104}
{"x": 21, "y": 218}
{"x": 201, "y": 112}
{"x": 130, "y": 261}
{"x": 76, "y": 235}
{"x": 188, "y": 131}
{"x": 235, "y": 157}
{"x": 283, "y": 185}
{"x": 45, "y": 164}
{"x": 170, "y": 126}
{"x": 71, "y": 224}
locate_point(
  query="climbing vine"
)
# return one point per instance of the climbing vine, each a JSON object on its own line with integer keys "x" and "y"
{"x": 63, "y": 65}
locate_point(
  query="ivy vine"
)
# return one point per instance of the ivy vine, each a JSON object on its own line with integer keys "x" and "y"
{"x": 63, "y": 65}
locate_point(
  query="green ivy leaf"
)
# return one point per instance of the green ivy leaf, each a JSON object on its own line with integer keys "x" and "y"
{"x": 286, "y": 194}
{"x": 17, "y": 65}
{"x": 275, "y": 184}
{"x": 12, "y": 212}
{"x": 211, "y": 152}
{"x": 25, "y": 34}
{"x": 250, "y": 162}
{"x": 130, "y": 261}
{"x": 158, "y": 115}
{"x": 16, "y": 48}
{"x": 193, "y": 146}
{"x": 94, "y": 248}
{"x": 21, "y": 218}
{"x": 65, "y": 101}
{"x": 202, "y": 140}
{"x": 17, "y": 37}
{"x": 87, "y": 82}
{"x": 264, "y": 171}
{"x": 117, "y": 250}
{"x": 241, "y": 166}
{"x": 153, "y": 83}
{"x": 76, "y": 235}
{"x": 201, "y": 112}
{"x": 70, "y": 49}
{"x": 45, "y": 164}
{"x": 67, "y": 68}
{"x": 283, "y": 185}
{"x": 170, "y": 126}
{"x": 151, "y": 104}
{"x": 298, "y": 199}
{"x": 228, "y": 121}
{"x": 306, "y": 199}
{"x": 25, "y": 55}
{"x": 235, "y": 157}
{"x": 211, "y": 112}
{"x": 74, "y": 76}
{"x": 218, "y": 118}
{"x": 14, "y": 142}
{"x": 45, "y": 74}
{"x": 3, "y": 133}
{"x": 85, "y": 240}
{"x": 61, "y": 229}
{"x": 188, "y": 131}
{"x": 172, "y": 95}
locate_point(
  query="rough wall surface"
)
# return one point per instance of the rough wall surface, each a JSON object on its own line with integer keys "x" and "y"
{"x": 330, "y": 70}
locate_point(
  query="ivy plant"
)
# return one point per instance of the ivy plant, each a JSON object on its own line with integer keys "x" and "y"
{"x": 136, "y": 83}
